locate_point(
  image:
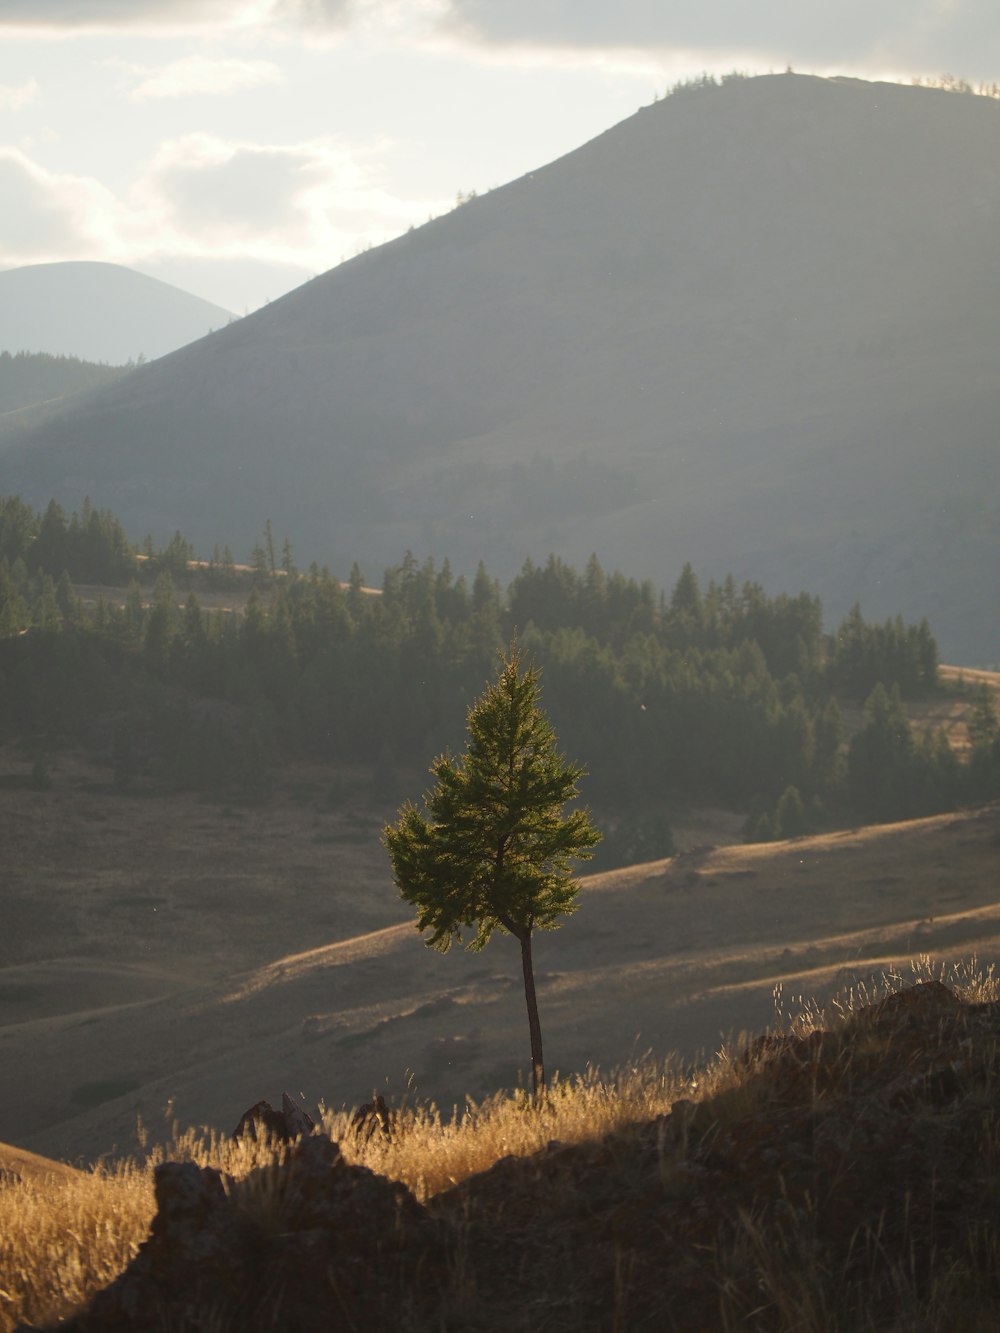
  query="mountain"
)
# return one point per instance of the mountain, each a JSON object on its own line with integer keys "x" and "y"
{"x": 99, "y": 312}
{"x": 753, "y": 326}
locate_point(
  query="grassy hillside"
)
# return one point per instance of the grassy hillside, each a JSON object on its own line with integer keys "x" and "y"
{"x": 837, "y": 1173}
{"x": 181, "y": 949}
{"x": 32, "y": 379}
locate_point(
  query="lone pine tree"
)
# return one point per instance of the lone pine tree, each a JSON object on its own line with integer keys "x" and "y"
{"x": 493, "y": 849}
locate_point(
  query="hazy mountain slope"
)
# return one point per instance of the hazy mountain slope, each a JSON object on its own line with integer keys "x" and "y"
{"x": 31, "y": 378}
{"x": 755, "y": 327}
{"x": 99, "y": 312}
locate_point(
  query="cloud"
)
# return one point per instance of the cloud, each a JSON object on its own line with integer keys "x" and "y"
{"x": 302, "y": 206}
{"x": 316, "y": 17}
{"x": 13, "y": 98}
{"x": 172, "y": 15}
{"x": 77, "y": 14}
{"x": 307, "y": 203}
{"x": 204, "y": 76}
{"x": 922, "y": 34}
{"x": 218, "y": 190}
{"x": 776, "y": 30}
{"x": 46, "y": 215}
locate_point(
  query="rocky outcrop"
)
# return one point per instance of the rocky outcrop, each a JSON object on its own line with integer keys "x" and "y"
{"x": 838, "y": 1176}
{"x": 312, "y": 1245}
{"x": 262, "y": 1121}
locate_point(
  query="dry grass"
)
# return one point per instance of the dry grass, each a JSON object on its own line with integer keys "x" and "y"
{"x": 64, "y": 1238}
{"x": 776, "y": 1278}
{"x": 68, "y": 1234}
{"x": 971, "y": 983}
{"x": 435, "y": 1150}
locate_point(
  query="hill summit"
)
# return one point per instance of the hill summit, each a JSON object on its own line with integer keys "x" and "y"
{"x": 99, "y": 312}
{"x": 753, "y": 326}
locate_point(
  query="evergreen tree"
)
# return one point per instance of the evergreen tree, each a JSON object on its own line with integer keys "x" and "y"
{"x": 684, "y": 616}
{"x": 880, "y": 761}
{"x": 13, "y": 612}
{"x": 161, "y": 622}
{"x": 790, "y": 815}
{"x": 46, "y": 612}
{"x": 493, "y": 851}
{"x": 984, "y": 724}
{"x": 272, "y": 564}
{"x": 69, "y": 603}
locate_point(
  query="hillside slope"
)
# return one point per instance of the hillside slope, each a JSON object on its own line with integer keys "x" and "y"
{"x": 739, "y": 328}
{"x": 205, "y": 960}
{"x": 31, "y": 379}
{"x": 841, "y": 1175}
{"x": 99, "y": 312}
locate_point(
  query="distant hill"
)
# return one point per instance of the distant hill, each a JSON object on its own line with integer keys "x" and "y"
{"x": 99, "y": 312}
{"x": 753, "y": 326}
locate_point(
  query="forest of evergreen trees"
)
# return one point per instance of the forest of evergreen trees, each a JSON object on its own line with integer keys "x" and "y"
{"x": 720, "y": 695}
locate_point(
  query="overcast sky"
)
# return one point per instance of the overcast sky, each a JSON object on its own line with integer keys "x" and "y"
{"x": 238, "y": 147}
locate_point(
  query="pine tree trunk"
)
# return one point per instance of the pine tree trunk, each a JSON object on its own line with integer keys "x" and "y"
{"x": 534, "y": 1027}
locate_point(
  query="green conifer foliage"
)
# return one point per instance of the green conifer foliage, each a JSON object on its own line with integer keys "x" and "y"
{"x": 493, "y": 850}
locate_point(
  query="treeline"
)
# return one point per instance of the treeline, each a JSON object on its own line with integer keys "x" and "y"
{"x": 92, "y": 547}
{"x": 89, "y": 547}
{"x": 722, "y": 694}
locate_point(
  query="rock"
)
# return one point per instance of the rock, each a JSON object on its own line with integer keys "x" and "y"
{"x": 192, "y": 1234}
{"x": 375, "y": 1117}
{"x": 311, "y": 1244}
{"x": 262, "y": 1121}
{"x": 297, "y": 1120}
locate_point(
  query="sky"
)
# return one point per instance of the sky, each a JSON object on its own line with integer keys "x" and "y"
{"x": 238, "y": 148}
